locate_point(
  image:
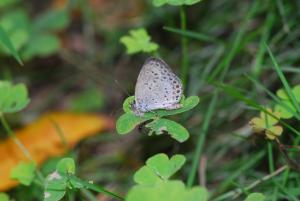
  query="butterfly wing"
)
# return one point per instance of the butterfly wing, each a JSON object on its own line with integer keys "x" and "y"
{"x": 157, "y": 86}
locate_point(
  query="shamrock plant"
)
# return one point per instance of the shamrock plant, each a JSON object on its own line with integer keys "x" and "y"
{"x": 266, "y": 124}
{"x": 174, "y": 2}
{"x": 137, "y": 41}
{"x": 158, "y": 124}
{"x": 63, "y": 180}
{"x": 13, "y": 98}
{"x": 153, "y": 184}
{"x": 285, "y": 106}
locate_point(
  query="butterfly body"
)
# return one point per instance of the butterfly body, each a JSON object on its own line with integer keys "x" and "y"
{"x": 157, "y": 87}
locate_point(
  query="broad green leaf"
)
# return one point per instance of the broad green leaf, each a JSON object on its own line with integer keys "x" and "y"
{"x": 128, "y": 121}
{"x": 41, "y": 45}
{"x": 6, "y": 42}
{"x": 51, "y": 20}
{"x": 165, "y": 167}
{"x": 13, "y": 98}
{"x": 138, "y": 40}
{"x": 255, "y": 197}
{"x": 174, "y": 2}
{"x": 177, "y": 131}
{"x": 281, "y": 94}
{"x": 145, "y": 175}
{"x": 66, "y": 166}
{"x": 4, "y": 197}
{"x": 24, "y": 173}
{"x": 166, "y": 191}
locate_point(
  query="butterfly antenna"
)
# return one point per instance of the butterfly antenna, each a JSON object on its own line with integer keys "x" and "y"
{"x": 122, "y": 88}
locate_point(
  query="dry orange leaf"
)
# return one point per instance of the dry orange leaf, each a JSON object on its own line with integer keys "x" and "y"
{"x": 42, "y": 139}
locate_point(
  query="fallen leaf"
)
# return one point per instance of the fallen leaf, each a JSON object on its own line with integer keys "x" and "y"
{"x": 43, "y": 141}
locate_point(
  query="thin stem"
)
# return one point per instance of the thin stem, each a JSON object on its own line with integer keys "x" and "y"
{"x": 14, "y": 138}
{"x": 184, "y": 45}
{"x": 201, "y": 139}
{"x": 24, "y": 150}
{"x": 236, "y": 193}
{"x": 270, "y": 157}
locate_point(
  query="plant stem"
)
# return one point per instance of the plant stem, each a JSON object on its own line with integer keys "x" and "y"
{"x": 14, "y": 138}
{"x": 184, "y": 46}
{"x": 201, "y": 139}
{"x": 24, "y": 150}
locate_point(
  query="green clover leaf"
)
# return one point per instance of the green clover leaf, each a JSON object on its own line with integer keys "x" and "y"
{"x": 24, "y": 173}
{"x": 137, "y": 41}
{"x": 13, "y": 98}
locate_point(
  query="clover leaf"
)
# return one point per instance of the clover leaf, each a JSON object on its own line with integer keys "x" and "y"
{"x": 137, "y": 41}
{"x": 128, "y": 121}
{"x": 24, "y": 173}
{"x": 13, "y": 98}
{"x": 159, "y": 3}
{"x": 166, "y": 191}
{"x": 177, "y": 131}
{"x": 266, "y": 124}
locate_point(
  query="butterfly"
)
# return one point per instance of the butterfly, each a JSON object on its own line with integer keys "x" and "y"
{"x": 157, "y": 87}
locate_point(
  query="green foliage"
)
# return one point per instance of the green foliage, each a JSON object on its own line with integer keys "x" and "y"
{"x": 66, "y": 166}
{"x": 91, "y": 99}
{"x": 6, "y": 42}
{"x": 63, "y": 179}
{"x": 255, "y": 197}
{"x": 4, "y": 197}
{"x": 153, "y": 184}
{"x": 159, "y": 167}
{"x": 13, "y": 98}
{"x": 137, "y": 41}
{"x": 128, "y": 121}
{"x": 24, "y": 173}
{"x": 174, "y": 2}
{"x": 33, "y": 37}
{"x": 286, "y": 107}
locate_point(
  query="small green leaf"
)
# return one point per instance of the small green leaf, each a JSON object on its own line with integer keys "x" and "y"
{"x": 128, "y": 121}
{"x": 197, "y": 193}
{"x": 66, "y": 166}
{"x": 177, "y": 131}
{"x": 4, "y": 197}
{"x": 165, "y": 167}
{"x": 41, "y": 45}
{"x": 127, "y": 104}
{"x": 55, "y": 186}
{"x": 13, "y": 98}
{"x": 138, "y": 40}
{"x": 24, "y": 173}
{"x": 255, "y": 197}
{"x": 5, "y": 41}
{"x": 159, "y": 3}
{"x": 146, "y": 175}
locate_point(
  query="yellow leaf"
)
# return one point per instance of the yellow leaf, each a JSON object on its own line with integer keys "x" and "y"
{"x": 42, "y": 140}
{"x": 274, "y": 132}
{"x": 257, "y": 124}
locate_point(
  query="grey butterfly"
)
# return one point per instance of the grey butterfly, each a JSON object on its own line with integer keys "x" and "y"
{"x": 157, "y": 87}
